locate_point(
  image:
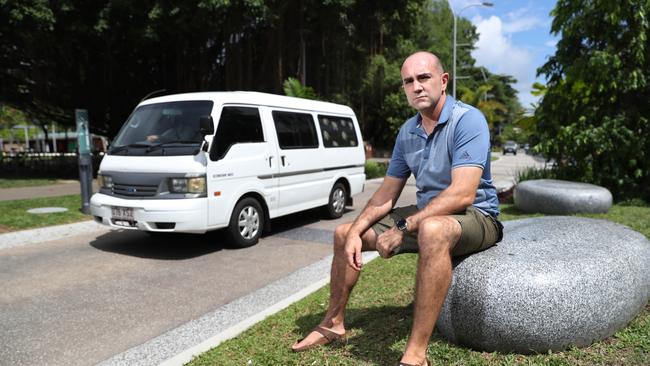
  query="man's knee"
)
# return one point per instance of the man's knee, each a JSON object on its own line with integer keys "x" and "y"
{"x": 438, "y": 233}
{"x": 340, "y": 233}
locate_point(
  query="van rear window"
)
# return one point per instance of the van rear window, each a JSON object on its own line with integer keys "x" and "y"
{"x": 337, "y": 131}
{"x": 295, "y": 130}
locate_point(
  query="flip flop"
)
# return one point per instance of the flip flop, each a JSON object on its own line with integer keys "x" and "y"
{"x": 328, "y": 337}
{"x": 426, "y": 363}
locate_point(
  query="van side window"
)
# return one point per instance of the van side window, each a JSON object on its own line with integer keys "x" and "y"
{"x": 236, "y": 125}
{"x": 337, "y": 131}
{"x": 295, "y": 130}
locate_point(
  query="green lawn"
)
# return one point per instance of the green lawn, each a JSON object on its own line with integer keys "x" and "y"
{"x": 14, "y": 215}
{"x": 13, "y": 183}
{"x": 379, "y": 318}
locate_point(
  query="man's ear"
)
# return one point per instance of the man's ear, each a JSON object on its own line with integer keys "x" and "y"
{"x": 445, "y": 79}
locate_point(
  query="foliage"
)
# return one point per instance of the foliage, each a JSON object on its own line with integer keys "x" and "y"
{"x": 293, "y": 88}
{"x": 374, "y": 169}
{"x": 593, "y": 118}
{"x": 53, "y": 166}
{"x": 105, "y": 56}
{"x": 531, "y": 173}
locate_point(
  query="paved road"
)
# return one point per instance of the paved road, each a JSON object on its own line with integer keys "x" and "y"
{"x": 84, "y": 298}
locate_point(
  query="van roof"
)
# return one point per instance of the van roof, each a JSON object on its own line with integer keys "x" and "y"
{"x": 255, "y": 98}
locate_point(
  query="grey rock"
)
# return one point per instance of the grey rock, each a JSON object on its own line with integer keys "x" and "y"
{"x": 553, "y": 282}
{"x": 560, "y": 197}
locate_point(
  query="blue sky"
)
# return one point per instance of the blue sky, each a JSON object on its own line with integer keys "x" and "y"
{"x": 514, "y": 39}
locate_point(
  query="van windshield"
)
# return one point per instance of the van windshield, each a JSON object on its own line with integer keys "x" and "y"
{"x": 170, "y": 128}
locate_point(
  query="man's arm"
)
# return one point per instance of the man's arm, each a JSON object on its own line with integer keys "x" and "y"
{"x": 379, "y": 205}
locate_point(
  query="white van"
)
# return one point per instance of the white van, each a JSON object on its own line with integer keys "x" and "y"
{"x": 196, "y": 162}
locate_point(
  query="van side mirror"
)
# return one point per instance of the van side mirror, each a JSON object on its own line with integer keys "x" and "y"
{"x": 206, "y": 125}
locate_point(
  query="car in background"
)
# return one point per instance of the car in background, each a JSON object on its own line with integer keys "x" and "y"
{"x": 510, "y": 147}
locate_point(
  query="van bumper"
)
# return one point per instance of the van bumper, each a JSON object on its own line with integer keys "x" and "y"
{"x": 162, "y": 215}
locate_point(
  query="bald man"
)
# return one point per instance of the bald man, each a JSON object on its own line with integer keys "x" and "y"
{"x": 446, "y": 146}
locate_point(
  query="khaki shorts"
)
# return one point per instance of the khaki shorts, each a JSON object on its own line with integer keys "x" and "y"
{"x": 479, "y": 231}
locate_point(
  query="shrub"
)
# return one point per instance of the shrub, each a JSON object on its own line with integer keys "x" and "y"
{"x": 375, "y": 169}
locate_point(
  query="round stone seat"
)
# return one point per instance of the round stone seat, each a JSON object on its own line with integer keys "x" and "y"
{"x": 553, "y": 282}
{"x": 561, "y": 197}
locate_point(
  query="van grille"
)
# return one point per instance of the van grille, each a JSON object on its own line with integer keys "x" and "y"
{"x": 132, "y": 190}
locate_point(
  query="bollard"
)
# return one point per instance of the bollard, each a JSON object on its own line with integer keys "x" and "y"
{"x": 85, "y": 159}
{"x": 86, "y": 181}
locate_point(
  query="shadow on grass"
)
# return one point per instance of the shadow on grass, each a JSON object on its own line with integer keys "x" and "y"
{"x": 376, "y": 335}
{"x": 372, "y": 332}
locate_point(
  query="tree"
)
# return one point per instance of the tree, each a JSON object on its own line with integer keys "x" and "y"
{"x": 106, "y": 55}
{"x": 593, "y": 118}
{"x": 293, "y": 88}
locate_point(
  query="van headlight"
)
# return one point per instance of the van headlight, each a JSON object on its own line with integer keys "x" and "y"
{"x": 187, "y": 185}
{"x": 104, "y": 181}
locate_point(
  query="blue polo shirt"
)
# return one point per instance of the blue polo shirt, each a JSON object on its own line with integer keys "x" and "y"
{"x": 461, "y": 138}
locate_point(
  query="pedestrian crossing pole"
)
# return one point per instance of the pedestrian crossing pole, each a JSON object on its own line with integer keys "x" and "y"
{"x": 85, "y": 159}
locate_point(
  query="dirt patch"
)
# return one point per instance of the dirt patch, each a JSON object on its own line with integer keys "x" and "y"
{"x": 4, "y": 229}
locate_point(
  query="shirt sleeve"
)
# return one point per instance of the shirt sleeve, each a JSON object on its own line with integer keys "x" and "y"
{"x": 397, "y": 168}
{"x": 471, "y": 144}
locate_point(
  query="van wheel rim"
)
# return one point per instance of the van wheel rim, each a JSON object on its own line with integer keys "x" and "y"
{"x": 249, "y": 222}
{"x": 338, "y": 200}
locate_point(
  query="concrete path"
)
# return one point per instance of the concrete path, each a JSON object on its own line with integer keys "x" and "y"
{"x": 63, "y": 188}
{"x": 504, "y": 170}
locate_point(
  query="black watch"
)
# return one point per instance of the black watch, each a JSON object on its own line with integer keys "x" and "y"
{"x": 402, "y": 225}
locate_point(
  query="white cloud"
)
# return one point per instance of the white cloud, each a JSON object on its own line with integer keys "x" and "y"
{"x": 522, "y": 24}
{"x": 551, "y": 43}
{"x": 500, "y": 55}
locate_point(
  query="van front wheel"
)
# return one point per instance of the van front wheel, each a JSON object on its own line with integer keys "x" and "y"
{"x": 246, "y": 223}
{"x": 336, "y": 204}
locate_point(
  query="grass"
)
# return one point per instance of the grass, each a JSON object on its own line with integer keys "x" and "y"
{"x": 28, "y": 182}
{"x": 379, "y": 318}
{"x": 14, "y": 215}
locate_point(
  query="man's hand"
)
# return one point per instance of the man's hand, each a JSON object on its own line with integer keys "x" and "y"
{"x": 388, "y": 241}
{"x": 353, "y": 251}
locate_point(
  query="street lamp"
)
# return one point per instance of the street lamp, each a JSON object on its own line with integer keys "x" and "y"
{"x": 485, "y": 3}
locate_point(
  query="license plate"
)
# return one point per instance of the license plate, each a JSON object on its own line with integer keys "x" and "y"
{"x": 122, "y": 213}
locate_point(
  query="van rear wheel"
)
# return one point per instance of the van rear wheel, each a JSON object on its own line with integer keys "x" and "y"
{"x": 246, "y": 223}
{"x": 336, "y": 203}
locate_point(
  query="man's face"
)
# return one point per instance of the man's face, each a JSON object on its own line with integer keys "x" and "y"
{"x": 423, "y": 83}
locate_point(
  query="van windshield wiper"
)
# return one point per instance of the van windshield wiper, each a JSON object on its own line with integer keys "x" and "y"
{"x": 118, "y": 149}
{"x": 175, "y": 143}
{"x": 181, "y": 142}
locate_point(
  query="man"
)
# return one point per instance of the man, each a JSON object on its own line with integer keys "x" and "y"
{"x": 175, "y": 129}
{"x": 447, "y": 148}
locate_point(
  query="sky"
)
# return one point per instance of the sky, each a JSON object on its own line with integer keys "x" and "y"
{"x": 514, "y": 39}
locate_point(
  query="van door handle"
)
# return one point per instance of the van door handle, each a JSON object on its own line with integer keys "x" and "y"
{"x": 282, "y": 157}
{"x": 270, "y": 161}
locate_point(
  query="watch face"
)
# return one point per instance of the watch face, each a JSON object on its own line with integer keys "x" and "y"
{"x": 401, "y": 224}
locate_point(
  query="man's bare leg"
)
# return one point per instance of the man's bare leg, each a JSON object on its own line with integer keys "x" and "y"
{"x": 436, "y": 238}
{"x": 342, "y": 281}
